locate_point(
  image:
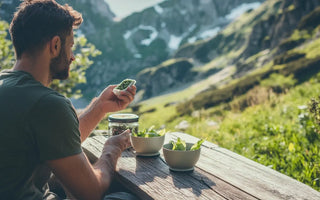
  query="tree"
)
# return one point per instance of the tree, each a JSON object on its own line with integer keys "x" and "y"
{"x": 6, "y": 50}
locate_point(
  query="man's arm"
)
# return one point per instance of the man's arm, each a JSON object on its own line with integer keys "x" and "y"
{"x": 86, "y": 181}
{"x": 106, "y": 102}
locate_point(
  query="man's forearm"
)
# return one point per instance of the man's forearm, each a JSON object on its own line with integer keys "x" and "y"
{"x": 106, "y": 165}
{"x": 89, "y": 118}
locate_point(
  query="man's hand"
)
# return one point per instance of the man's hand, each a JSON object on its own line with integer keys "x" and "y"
{"x": 106, "y": 102}
{"x": 115, "y": 145}
{"x": 112, "y": 103}
{"x": 121, "y": 141}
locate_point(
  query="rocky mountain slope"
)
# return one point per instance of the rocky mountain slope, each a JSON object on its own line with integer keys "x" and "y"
{"x": 170, "y": 74}
{"x": 147, "y": 38}
{"x": 249, "y": 43}
{"x": 150, "y": 37}
{"x": 284, "y": 41}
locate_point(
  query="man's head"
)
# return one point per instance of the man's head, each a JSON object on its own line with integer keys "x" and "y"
{"x": 38, "y": 21}
{"x": 59, "y": 66}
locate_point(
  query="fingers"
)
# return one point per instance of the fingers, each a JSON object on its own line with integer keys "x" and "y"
{"x": 126, "y": 138}
{"x": 125, "y": 97}
{"x": 111, "y": 87}
{"x": 125, "y": 133}
{"x": 121, "y": 141}
{"x": 128, "y": 94}
{"x": 132, "y": 89}
{"x": 107, "y": 91}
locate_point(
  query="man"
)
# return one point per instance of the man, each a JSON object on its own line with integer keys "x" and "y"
{"x": 38, "y": 126}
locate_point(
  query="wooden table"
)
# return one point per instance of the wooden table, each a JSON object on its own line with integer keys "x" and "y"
{"x": 219, "y": 174}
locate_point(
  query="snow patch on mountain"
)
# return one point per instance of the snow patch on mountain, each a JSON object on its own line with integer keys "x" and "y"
{"x": 158, "y": 9}
{"x": 236, "y": 12}
{"x": 174, "y": 42}
{"x": 210, "y": 33}
{"x": 147, "y": 41}
{"x": 152, "y": 36}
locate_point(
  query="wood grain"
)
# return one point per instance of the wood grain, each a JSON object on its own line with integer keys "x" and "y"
{"x": 219, "y": 174}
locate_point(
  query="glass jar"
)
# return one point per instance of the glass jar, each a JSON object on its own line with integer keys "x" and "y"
{"x": 121, "y": 122}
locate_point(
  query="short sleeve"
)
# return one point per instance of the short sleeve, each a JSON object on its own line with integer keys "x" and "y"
{"x": 55, "y": 128}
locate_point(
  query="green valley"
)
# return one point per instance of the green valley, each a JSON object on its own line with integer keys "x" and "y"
{"x": 261, "y": 103}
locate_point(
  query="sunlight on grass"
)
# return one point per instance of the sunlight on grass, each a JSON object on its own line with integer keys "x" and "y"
{"x": 312, "y": 49}
{"x": 269, "y": 121}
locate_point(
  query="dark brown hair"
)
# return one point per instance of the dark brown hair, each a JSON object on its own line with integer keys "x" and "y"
{"x": 37, "y": 21}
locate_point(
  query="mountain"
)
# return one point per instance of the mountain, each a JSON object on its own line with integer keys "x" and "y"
{"x": 97, "y": 18}
{"x": 95, "y": 12}
{"x": 264, "y": 96}
{"x": 169, "y": 74}
{"x": 280, "y": 37}
{"x": 147, "y": 38}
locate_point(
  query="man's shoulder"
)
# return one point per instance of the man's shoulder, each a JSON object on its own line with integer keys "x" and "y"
{"x": 22, "y": 84}
{"x": 55, "y": 105}
{"x": 54, "y": 100}
{"x": 27, "y": 94}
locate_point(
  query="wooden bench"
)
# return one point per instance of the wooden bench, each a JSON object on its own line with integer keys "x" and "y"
{"x": 219, "y": 174}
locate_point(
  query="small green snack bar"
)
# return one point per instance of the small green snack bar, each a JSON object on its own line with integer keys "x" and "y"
{"x": 123, "y": 85}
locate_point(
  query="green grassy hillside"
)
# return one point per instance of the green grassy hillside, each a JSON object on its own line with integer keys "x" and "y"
{"x": 264, "y": 106}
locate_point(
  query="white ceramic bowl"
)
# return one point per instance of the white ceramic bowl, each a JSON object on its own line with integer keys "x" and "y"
{"x": 147, "y": 146}
{"x": 180, "y": 160}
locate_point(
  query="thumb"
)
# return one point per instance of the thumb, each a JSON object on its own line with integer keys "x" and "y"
{"x": 126, "y": 138}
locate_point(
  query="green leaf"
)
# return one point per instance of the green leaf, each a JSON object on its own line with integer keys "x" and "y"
{"x": 180, "y": 145}
{"x": 125, "y": 83}
{"x": 197, "y": 145}
{"x": 150, "y": 132}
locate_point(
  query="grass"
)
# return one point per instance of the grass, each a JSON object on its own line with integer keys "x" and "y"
{"x": 266, "y": 116}
{"x": 275, "y": 129}
{"x": 271, "y": 133}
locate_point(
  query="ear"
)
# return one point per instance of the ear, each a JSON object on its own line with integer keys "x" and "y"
{"x": 55, "y": 46}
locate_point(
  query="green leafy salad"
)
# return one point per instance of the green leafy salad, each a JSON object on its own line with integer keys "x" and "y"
{"x": 125, "y": 83}
{"x": 180, "y": 145}
{"x": 151, "y": 132}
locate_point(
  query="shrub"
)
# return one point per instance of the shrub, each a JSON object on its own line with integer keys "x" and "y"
{"x": 286, "y": 58}
{"x": 290, "y": 44}
{"x": 311, "y": 20}
{"x": 6, "y": 50}
{"x": 279, "y": 83}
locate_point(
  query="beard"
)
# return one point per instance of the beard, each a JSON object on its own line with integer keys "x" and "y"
{"x": 59, "y": 66}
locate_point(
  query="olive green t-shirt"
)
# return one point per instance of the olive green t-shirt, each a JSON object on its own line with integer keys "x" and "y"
{"x": 36, "y": 124}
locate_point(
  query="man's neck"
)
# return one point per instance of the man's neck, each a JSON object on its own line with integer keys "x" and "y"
{"x": 37, "y": 67}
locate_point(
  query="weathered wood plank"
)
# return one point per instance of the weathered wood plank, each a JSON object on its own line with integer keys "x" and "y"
{"x": 252, "y": 177}
{"x": 150, "y": 177}
{"x": 219, "y": 174}
{"x": 153, "y": 177}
